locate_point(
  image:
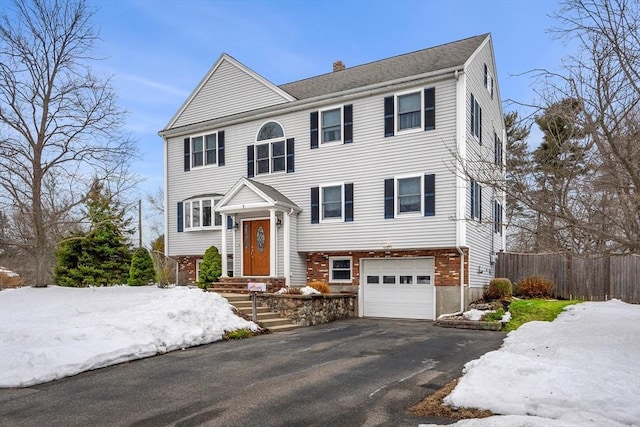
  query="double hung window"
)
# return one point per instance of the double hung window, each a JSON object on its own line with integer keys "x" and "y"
{"x": 271, "y": 153}
{"x": 476, "y": 200}
{"x": 413, "y": 194}
{"x": 332, "y": 202}
{"x": 340, "y": 269}
{"x": 270, "y": 149}
{"x": 476, "y": 119}
{"x": 409, "y": 112}
{"x": 409, "y": 195}
{"x": 331, "y": 125}
{"x": 204, "y": 150}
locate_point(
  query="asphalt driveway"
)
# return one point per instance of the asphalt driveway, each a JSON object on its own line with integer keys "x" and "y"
{"x": 357, "y": 372}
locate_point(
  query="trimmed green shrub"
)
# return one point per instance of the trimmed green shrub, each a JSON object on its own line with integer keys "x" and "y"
{"x": 499, "y": 288}
{"x": 534, "y": 287}
{"x": 210, "y": 268}
{"x": 141, "y": 271}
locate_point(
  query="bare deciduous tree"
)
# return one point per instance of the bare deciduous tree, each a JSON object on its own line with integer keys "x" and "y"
{"x": 60, "y": 126}
{"x": 579, "y": 190}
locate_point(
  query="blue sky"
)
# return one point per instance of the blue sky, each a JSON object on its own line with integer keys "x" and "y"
{"x": 159, "y": 50}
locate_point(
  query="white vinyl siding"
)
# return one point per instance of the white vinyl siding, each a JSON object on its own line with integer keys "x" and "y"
{"x": 363, "y": 164}
{"x": 228, "y": 91}
{"x": 480, "y": 238}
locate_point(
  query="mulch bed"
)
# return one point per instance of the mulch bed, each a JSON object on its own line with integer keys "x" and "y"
{"x": 433, "y": 406}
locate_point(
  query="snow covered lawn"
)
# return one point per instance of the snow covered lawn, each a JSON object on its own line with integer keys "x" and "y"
{"x": 582, "y": 369}
{"x": 54, "y": 332}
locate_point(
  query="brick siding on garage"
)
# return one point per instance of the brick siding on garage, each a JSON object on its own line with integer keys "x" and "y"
{"x": 447, "y": 263}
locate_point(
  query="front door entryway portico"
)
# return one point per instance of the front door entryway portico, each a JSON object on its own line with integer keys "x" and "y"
{"x": 255, "y": 247}
{"x": 261, "y": 222}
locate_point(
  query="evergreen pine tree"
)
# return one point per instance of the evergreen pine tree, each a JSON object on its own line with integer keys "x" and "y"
{"x": 68, "y": 253}
{"x": 142, "y": 270}
{"x": 210, "y": 268}
{"x": 102, "y": 256}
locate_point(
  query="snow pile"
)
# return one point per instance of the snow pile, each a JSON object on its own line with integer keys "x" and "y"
{"x": 307, "y": 290}
{"x": 582, "y": 369}
{"x": 475, "y": 314}
{"x": 56, "y": 332}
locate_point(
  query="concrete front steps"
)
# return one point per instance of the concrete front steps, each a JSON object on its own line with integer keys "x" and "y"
{"x": 266, "y": 319}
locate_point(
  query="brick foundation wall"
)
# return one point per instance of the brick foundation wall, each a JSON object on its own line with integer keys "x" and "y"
{"x": 187, "y": 269}
{"x": 446, "y": 262}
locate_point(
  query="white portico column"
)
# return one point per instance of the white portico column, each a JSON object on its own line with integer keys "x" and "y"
{"x": 286, "y": 223}
{"x": 273, "y": 238}
{"x": 223, "y": 249}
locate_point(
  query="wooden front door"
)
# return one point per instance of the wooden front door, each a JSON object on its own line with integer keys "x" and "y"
{"x": 255, "y": 248}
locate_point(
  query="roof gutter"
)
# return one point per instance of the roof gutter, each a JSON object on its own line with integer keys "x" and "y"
{"x": 317, "y": 101}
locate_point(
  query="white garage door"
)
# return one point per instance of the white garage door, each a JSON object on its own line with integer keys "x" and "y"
{"x": 397, "y": 287}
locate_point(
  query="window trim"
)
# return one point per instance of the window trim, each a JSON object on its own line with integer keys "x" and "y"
{"x": 476, "y": 200}
{"x": 339, "y": 141}
{"x": 497, "y": 217}
{"x": 476, "y": 119}
{"x": 498, "y": 152}
{"x": 396, "y": 115}
{"x": 187, "y": 216}
{"x": 396, "y": 199}
{"x": 270, "y": 142}
{"x": 321, "y": 202}
{"x": 204, "y": 135}
{"x": 340, "y": 258}
{"x": 199, "y": 262}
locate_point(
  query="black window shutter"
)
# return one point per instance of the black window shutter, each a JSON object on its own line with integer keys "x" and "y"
{"x": 473, "y": 127}
{"x": 229, "y": 223}
{"x": 486, "y": 76}
{"x": 348, "y": 202}
{"x": 430, "y": 108}
{"x": 314, "y": 129}
{"x": 429, "y": 195}
{"x": 315, "y": 205}
{"x": 180, "y": 218}
{"x": 348, "y": 123}
{"x": 389, "y": 198}
{"x": 479, "y": 202}
{"x": 480, "y": 123}
{"x": 290, "y": 155}
{"x": 473, "y": 199}
{"x": 495, "y": 216}
{"x": 221, "y": 148}
{"x": 388, "y": 116}
{"x": 187, "y": 154}
{"x": 250, "y": 157}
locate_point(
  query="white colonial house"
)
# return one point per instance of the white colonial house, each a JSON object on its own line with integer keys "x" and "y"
{"x": 358, "y": 177}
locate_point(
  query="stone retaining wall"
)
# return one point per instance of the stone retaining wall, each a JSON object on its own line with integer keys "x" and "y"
{"x": 309, "y": 310}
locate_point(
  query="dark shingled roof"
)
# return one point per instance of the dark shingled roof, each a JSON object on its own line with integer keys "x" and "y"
{"x": 410, "y": 64}
{"x": 272, "y": 193}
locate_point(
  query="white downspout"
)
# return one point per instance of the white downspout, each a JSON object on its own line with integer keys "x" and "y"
{"x": 461, "y": 126}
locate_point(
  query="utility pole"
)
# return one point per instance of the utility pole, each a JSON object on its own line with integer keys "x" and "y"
{"x": 139, "y": 223}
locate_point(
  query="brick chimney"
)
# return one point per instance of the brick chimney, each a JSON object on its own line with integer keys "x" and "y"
{"x": 338, "y": 66}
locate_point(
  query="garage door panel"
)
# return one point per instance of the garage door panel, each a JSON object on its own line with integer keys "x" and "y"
{"x": 398, "y": 287}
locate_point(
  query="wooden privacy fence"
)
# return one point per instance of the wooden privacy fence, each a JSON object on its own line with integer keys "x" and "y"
{"x": 590, "y": 279}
